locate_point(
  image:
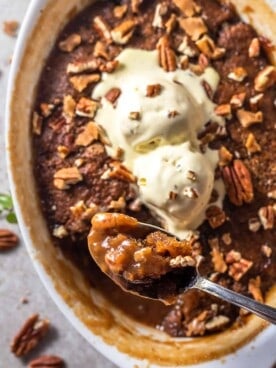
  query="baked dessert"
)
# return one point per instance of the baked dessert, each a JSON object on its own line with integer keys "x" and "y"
{"x": 79, "y": 173}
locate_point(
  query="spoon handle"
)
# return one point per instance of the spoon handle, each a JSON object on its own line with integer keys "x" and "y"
{"x": 264, "y": 311}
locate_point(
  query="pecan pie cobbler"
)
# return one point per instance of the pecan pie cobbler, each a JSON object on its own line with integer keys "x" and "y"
{"x": 164, "y": 111}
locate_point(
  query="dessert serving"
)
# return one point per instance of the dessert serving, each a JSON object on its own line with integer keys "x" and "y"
{"x": 163, "y": 111}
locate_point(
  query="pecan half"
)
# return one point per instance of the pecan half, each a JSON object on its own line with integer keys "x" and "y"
{"x": 166, "y": 55}
{"x": 215, "y": 216}
{"x": 8, "y": 239}
{"x": 238, "y": 183}
{"x": 70, "y": 43}
{"x": 267, "y": 217}
{"x": 47, "y": 361}
{"x": 33, "y": 330}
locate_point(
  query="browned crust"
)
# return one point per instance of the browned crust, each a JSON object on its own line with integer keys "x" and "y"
{"x": 101, "y": 321}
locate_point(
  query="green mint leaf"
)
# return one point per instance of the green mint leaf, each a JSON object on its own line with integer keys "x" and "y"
{"x": 11, "y": 218}
{"x": 5, "y": 202}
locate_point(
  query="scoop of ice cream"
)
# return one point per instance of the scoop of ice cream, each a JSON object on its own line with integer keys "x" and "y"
{"x": 176, "y": 183}
{"x": 154, "y": 108}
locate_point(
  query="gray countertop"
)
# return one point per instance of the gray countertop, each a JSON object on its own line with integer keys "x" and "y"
{"x": 18, "y": 279}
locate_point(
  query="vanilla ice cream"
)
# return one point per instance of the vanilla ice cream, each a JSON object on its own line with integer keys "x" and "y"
{"x": 158, "y": 134}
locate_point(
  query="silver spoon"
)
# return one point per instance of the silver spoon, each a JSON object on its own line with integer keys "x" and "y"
{"x": 168, "y": 287}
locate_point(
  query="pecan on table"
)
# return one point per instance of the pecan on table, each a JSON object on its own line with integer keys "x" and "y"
{"x": 8, "y": 239}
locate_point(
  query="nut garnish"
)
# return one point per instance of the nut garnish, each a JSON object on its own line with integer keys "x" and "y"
{"x": 63, "y": 151}
{"x": 134, "y": 115}
{"x": 113, "y": 94}
{"x": 87, "y": 107}
{"x": 167, "y": 57}
{"x": 267, "y": 217}
{"x": 80, "y": 210}
{"x": 233, "y": 256}
{"x": 102, "y": 28}
{"x": 65, "y": 177}
{"x": 251, "y": 144}
{"x": 153, "y": 90}
{"x": 193, "y": 26}
{"x": 10, "y": 27}
{"x": 254, "y": 48}
{"x": 69, "y": 106}
{"x": 237, "y": 100}
{"x": 238, "y": 183}
{"x": 238, "y": 74}
{"x": 217, "y": 257}
{"x": 83, "y": 66}
{"x": 37, "y": 123}
{"x": 254, "y": 287}
{"x": 172, "y": 195}
{"x": 120, "y": 204}
{"x": 207, "y": 46}
{"x": 238, "y": 269}
{"x": 100, "y": 50}
{"x": 186, "y": 49}
{"x": 191, "y": 175}
{"x": 182, "y": 261}
{"x": 109, "y": 67}
{"x": 160, "y": 10}
{"x": 29, "y": 335}
{"x": 248, "y": 118}
{"x": 80, "y": 82}
{"x": 225, "y": 156}
{"x": 60, "y": 232}
{"x": 215, "y": 216}
{"x": 89, "y": 134}
{"x": 266, "y": 250}
{"x": 119, "y": 11}
{"x": 123, "y": 32}
{"x": 171, "y": 23}
{"x": 217, "y": 323}
{"x": 70, "y": 43}
{"x": 190, "y": 192}
{"x": 223, "y": 110}
{"x": 119, "y": 171}
{"x": 44, "y": 361}
{"x": 135, "y": 4}
{"x": 8, "y": 239}
{"x": 254, "y": 224}
{"x": 265, "y": 78}
{"x": 254, "y": 101}
{"x": 188, "y": 7}
{"x": 46, "y": 109}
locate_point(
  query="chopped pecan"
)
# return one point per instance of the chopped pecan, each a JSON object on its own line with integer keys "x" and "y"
{"x": 80, "y": 82}
{"x": 238, "y": 74}
{"x": 44, "y": 361}
{"x": 254, "y": 101}
{"x": 70, "y": 43}
{"x": 63, "y": 151}
{"x": 223, "y": 110}
{"x": 8, "y": 239}
{"x": 238, "y": 269}
{"x": 266, "y": 250}
{"x": 237, "y": 100}
{"x": 267, "y": 217}
{"x": 265, "y": 78}
{"x": 30, "y": 334}
{"x": 120, "y": 204}
{"x": 215, "y": 216}
{"x": 160, "y": 10}
{"x": 69, "y": 106}
{"x": 207, "y": 46}
{"x": 190, "y": 192}
{"x": 102, "y": 28}
{"x": 171, "y": 23}
{"x": 37, "y": 123}
{"x": 10, "y": 27}
{"x": 119, "y": 171}
{"x": 248, "y": 118}
{"x": 46, "y": 109}
{"x": 153, "y": 90}
{"x": 191, "y": 175}
{"x": 186, "y": 49}
{"x": 193, "y": 26}
{"x": 78, "y": 67}
{"x": 217, "y": 323}
{"x": 238, "y": 183}
{"x": 166, "y": 55}
{"x": 134, "y": 115}
{"x": 135, "y": 4}
{"x": 217, "y": 256}
{"x": 254, "y": 224}
{"x": 123, "y": 32}
{"x": 233, "y": 256}
{"x": 251, "y": 144}
{"x": 113, "y": 94}
{"x": 119, "y": 11}
{"x": 188, "y": 7}
{"x": 254, "y": 288}
{"x": 65, "y": 177}
{"x": 225, "y": 156}
{"x": 60, "y": 232}
{"x": 196, "y": 327}
{"x": 254, "y": 48}
{"x": 87, "y": 107}
{"x": 182, "y": 261}
{"x": 100, "y": 50}
{"x": 110, "y": 66}
{"x": 80, "y": 210}
{"x": 89, "y": 134}
{"x": 172, "y": 195}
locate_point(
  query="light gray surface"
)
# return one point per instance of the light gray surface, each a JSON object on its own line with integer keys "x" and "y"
{"x": 17, "y": 276}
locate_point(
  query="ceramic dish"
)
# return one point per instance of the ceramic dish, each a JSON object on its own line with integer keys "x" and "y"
{"x": 120, "y": 339}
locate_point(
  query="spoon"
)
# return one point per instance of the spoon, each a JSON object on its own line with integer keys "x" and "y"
{"x": 169, "y": 285}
